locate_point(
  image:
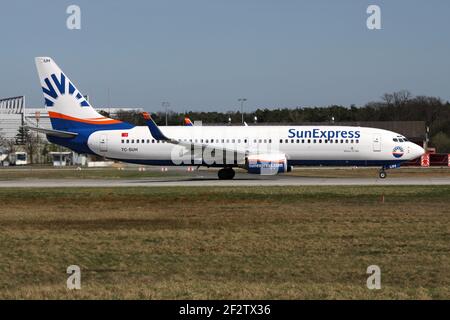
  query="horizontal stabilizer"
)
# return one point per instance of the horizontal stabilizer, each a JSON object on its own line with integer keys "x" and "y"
{"x": 54, "y": 133}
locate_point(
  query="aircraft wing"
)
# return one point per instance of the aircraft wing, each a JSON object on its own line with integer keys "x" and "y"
{"x": 158, "y": 135}
{"x": 54, "y": 133}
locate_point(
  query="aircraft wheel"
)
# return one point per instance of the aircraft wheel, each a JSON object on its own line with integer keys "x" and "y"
{"x": 226, "y": 174}
{"x": 382, "y": 174}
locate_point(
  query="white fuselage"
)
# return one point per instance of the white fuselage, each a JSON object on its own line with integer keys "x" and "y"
{"x": 302, "y": 145}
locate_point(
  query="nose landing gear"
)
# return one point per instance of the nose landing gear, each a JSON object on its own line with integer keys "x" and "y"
{"x": 382, "y": 174}
{"x": 226, "y": 174}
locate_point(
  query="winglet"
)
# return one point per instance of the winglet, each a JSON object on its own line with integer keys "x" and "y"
{"x": 154, "y": 130}
{"x": 188, "y": 122}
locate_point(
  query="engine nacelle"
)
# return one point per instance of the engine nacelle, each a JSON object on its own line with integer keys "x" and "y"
{"x": 267, "y": 164}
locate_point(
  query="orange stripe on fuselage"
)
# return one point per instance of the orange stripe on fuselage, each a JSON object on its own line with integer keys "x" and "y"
{"x": 89, "y": 120}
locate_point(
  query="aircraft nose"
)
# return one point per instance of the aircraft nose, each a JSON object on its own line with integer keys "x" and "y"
{"x": 416, "y": 151}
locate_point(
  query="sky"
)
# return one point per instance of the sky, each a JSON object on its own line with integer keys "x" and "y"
{"x": 204, "y": 55}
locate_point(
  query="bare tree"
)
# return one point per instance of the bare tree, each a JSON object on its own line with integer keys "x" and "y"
{"x": 388, "y": 99}
{"x": 401, "y": 97}
{"x": 31, "y": 146}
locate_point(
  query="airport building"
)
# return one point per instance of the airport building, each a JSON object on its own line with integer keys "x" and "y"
{"x": 14, "y": 114}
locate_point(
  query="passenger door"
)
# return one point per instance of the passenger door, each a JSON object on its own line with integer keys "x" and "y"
{"x": 376, "y": 142}
{"x": 103, "y": 143}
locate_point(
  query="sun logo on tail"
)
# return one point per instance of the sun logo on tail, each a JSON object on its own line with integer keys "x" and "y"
{"x": 58, "y": 87}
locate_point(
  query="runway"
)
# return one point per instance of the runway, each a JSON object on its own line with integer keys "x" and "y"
{"x": 210, "y": 181}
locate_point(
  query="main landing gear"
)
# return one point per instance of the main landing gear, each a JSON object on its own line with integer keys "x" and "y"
{"x": 226, "y": 174}
{"x": 382, "y": 174}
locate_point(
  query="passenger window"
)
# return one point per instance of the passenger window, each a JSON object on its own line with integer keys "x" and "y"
{"x": 342, "y": 141}
{"x": 357, "y": 141}
{"x": 122, "y": 141}
{"x": 153, "y": 140}
{"x": 309, "y": 140}
{"x": 298, "y": 141}
{"x": 265, "y": 141}
{"x": 132, "y": 140}
{"x": 281, "y": 140}
{"x": 270, "y": 140}
{"x": 233, "y": 140}
{"x": 346, "y": 141}
{"x": 128, "y": 141}
{"x": 320, "y": 140}
{"x": 287, "y": 141}
{"x": 239, "y": 140}
{"x": 303, "y": 140}
{"x": 315, "y": 141}
{"x": 259, "y": 141}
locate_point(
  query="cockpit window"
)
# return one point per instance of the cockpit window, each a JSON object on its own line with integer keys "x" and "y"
{"x": 395, "y": 140}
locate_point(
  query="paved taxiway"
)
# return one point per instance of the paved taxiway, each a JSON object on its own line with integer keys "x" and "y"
{"x": 212, "y": 181}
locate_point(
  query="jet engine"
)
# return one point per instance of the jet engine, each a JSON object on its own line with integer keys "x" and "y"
{"x": 267, "y": 164}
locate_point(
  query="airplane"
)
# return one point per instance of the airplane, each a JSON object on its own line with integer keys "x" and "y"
{"x": 265, "y": 150}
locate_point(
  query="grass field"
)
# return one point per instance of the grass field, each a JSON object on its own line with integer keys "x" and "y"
{"x": 252, "y": 243}
{"x": 85, "y": 173}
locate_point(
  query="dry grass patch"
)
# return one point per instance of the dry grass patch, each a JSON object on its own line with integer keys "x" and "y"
{"x": 253, "y": 243}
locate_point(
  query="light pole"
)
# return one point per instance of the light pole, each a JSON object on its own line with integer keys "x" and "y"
{"x": 165, "y": 105}
{"x": 242, "y": 100}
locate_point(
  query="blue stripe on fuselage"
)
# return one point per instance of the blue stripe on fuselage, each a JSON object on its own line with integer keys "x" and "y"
{"x": 337, "y": 163}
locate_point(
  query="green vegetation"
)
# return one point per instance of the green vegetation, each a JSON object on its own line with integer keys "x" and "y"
{"x": 184, "y": 242}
